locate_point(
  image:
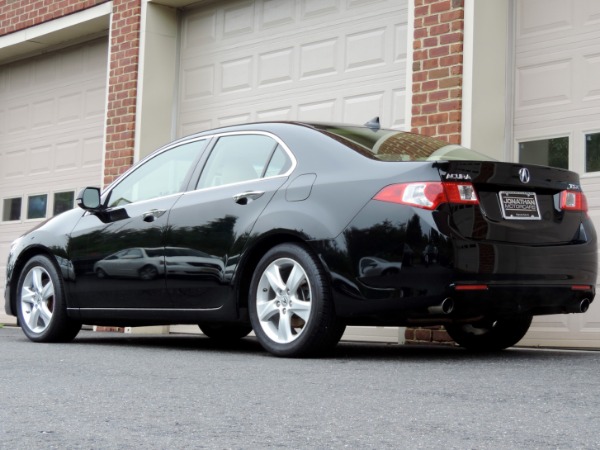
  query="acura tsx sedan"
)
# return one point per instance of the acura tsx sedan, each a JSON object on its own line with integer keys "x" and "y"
{"x": 296, "y": 230}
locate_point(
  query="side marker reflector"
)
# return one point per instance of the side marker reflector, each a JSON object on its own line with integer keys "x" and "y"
{"x": 471, "y": 287}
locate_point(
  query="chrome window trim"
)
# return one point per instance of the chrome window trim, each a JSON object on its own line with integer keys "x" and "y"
{"x": 148, "y": 158}
{"x": 246, "y": 133}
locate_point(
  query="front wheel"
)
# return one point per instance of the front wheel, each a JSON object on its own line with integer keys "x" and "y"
{"x": 41, "y": 303}
{"x": 490, "y": 334}
{"x": 290, "y": 304}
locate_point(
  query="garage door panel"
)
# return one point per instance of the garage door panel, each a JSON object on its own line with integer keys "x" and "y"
{"x": 591, "y": 80}
{"x": 263, "y": 76}
{"x": 557, "y": 72}
{"x": 51, "y": 129}
{"x": 354, "y": 103}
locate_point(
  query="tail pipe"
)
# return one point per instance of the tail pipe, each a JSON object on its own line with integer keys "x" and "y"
{"x": 446, "y": 307}
{"x": 580, "y": 306}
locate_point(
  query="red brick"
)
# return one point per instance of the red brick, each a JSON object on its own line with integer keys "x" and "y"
{"x": 439, "y": 29}
{"x": 438, "y": 95}
{"x": 428, "y": 131}
{"x": 450, "y": 82}
{"x": 438, "y": 73}
{"x": 451, "y": 38}
{"x": 441, "y": 336}
{"x": 420, "y": 76}
{"x": 440, "y": 7}
{"x": 458, "y": 25}
{"x": 450, "y": 16}
{"x": 429, "y": 85}
{"x": 439, "y": 51}
{"x": 421, "y": 11}
{"x": 419, "y": 98}
{"x": 451, "y": 60}
{"x": 420, "y": 33}
{"x": 453, "y": 105}
{"x": 431, "y": 20}
{"x": 436, "y": 119}
{"x": 433, "y": 63}
{"x": 449, "y": 128}
{"x": 454, "y": 116}
{"x": 454, "y": 139}
{"x": 430, "y": 42}
{"x": 418, "y": 121}
{"x": 429, "y": 108}
{"x": 423, "y": 335}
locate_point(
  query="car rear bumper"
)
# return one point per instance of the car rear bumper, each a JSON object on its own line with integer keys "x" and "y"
{"x": 512, "y": 278}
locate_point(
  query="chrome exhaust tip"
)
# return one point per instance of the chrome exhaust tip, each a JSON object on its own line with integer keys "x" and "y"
{"x": 446, "y": 307}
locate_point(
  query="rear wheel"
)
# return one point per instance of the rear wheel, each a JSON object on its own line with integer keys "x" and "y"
{"x": 490, "y": 334}
{"x": 225, "y": 331}
{"x": 290, "y": 304}
{"x": 41, "y": 304}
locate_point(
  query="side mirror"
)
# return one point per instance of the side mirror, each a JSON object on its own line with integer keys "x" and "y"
{"x": 89, "y": 199}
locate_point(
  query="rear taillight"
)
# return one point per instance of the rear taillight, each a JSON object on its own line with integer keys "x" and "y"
{"x": 573, "y": 201}
{"x": 429, "y": 194}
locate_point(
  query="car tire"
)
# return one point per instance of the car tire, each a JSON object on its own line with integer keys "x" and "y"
{"x": 148, "y": 272}
{"x": 290, "y": 304}
{"x": 490, "y": 335}
{"x": 41, "y": 303}
{"x": 225, "y": 332}
{"x": 101, "y": 273}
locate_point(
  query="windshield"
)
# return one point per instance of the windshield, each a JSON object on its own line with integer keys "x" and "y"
{"x": 393, "y": 145}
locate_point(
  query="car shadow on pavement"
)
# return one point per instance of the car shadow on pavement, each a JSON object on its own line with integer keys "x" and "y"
{"x": 343, "y": 351}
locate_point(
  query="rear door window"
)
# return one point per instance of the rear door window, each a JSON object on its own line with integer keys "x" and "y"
{"x": 239, "y": 158}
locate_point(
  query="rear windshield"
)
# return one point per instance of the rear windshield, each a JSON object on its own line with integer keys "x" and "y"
{"x": 393, "y": 145}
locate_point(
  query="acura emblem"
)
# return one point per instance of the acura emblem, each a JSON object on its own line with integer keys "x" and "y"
{"x": 524, "y": 175}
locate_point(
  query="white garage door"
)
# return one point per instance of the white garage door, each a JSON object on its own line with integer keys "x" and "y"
{"x": 320, "y": 60}
{"x": 51, "y": 131}
{"x": 313, "y": 60}
{"x": 557, "y": 120}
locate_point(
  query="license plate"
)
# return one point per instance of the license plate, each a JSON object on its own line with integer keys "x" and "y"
{"x": 519, "y": 205}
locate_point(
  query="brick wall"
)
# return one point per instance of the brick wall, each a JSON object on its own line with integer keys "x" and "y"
{"x": 437, "y": 68}
{"x": 122, "y": 87}
{"x": 16, "y": 15}
{"x": 437, "y": 92}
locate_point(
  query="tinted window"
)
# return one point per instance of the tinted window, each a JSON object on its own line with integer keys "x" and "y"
{"x": 63, "y": 201}
{"x": 36, "y": 206}
{"x": 592, "y": 152}
{"x": 162, "y": 175}
{"x": 546, "y": 152}
{"x": 280, "y": 163}
{"x": 392, "y": 145}
{"x": 11, "y": 209}
{"x": 240, "y": 158}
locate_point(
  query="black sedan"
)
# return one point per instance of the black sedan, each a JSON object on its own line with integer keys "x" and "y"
{"x": 296, "y": 230}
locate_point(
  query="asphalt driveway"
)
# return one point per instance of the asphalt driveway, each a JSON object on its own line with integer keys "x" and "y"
{"x": 109, "y": 390}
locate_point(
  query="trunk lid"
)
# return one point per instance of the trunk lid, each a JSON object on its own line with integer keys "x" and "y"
{"x": 518, "y": 203}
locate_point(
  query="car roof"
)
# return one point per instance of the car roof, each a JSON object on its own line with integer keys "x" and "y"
{"x": 263, "y": 126}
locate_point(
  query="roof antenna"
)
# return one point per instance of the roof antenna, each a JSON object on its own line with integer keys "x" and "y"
{"x": 373, "y": 124}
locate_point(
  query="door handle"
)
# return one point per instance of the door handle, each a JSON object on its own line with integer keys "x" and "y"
{"x": 152, "y": 215}
{"x": 246, "y": 197}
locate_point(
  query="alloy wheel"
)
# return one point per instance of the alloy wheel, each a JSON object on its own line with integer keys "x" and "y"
{"x": 37, "y": 299}
{"x": 283, "y": 300}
